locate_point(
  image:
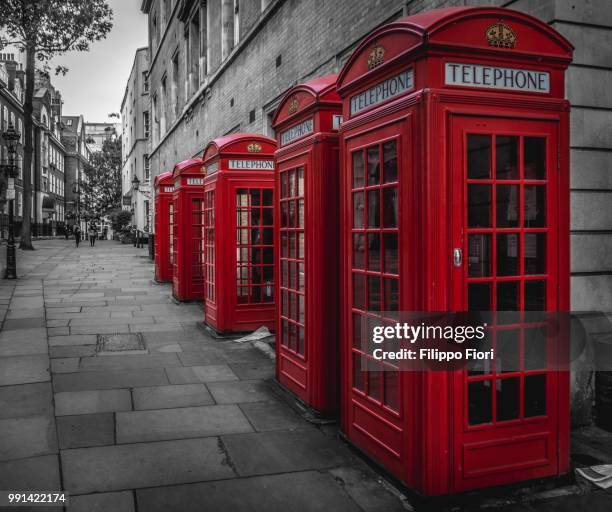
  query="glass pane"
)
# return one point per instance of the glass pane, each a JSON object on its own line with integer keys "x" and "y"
{"x": 300, "y": 183}
{"x": 479, "y": 206}
{"x": 534, "y": 251}
{"x": 507, "y": 206}
{"x": 292, "y": 245}
{"x": 255, "y": 216}
{"x": 390, "y": 207}
{"x": 482, "y": 366}
{"x": 291, "y": 216}
{"x": 507, "y": 351}
{"x": 374, "y": 380}
{"x": 268, "y": 273}
{"x": 283, "y": 180}
{"x": 390, "y": 161}
{"x": 242, "y": 198}
{"x": 390, "y": 253}
{"x": 300, "y": 340}
{"x": 392, "y": 398}
{"x": 359, "y": 291}
{"x": 358, "y": 250}
{"x": 374, "y": 208}
{"x": 535, "y": 296}
{"x": 507, "y": 254}
{"x": 479, "y": 255}
{"x": 267, "y": 217}
{"x": 479, "y": 402}
{"x": 535, "y": 206}
{"x": 301, "y": 276}
{"x": 534, "y": 154}
{"x": 391, "y": 295}
{"x": 506, "y": 148}
{"x": 478, "y": 157}
{"x": 284, "y": 273}
{"x": 300, "y": 253}
{"x": 291, "y": 186}
{"x": 358, "y": 210}
{"x": 300, "y": 299}
{"x": 255, "y": 197}
{"x": 268, "y": 197}
{"x": 358, "y": 326}
{"x": 358, "y": 169}
{"x": 300, "y": 214}
{"x": 358, "y": 373}
{"x": 373, "y": 166}
{"x": 508, "y": 403}
{"x": 268, "y": 256}
{"x": 508, "y": 296}
{"x": 479, "y": 297}
{"x": 374, "y": 298}
{"x": 535, "y": 348}
{"x": 284, "y": 246}
{"x": 374, "y": 252}
{"x": 535, "y": 395}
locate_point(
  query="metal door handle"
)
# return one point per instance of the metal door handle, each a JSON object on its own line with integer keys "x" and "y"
{"x": 457, "y": 257}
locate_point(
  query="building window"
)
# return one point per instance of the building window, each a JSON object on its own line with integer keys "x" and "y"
{"x": 68, "y": 122}
{"x": 164, "y": 103}
{"x": 146, "y": 124}
{"x": 194, "y": 53}
{"x": 145, "y": 82}
{"x": 236, "y": 22}
{"x": 155, "y": 119}
{"x": 175, "y": 86}
{"x": 146, "y": 167}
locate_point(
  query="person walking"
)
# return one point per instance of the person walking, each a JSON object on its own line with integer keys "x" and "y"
{"x": 77, "y": 235}
{"x": 93, "y": 234}
{"x": 67, "y": 232}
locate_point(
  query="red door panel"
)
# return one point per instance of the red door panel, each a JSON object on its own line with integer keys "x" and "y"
{"x": 505, "y": 193}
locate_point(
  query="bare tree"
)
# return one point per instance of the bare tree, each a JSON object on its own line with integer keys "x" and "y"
{"x": 43, "y": 29}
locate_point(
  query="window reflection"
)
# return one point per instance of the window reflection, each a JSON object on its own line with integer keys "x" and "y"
{"x": 506, "y": 150}
{"x": 478, "y": 157}
{"x": 389, "y": 161}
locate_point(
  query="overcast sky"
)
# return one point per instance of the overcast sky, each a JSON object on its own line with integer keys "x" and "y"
{"x": 95, "y": 83}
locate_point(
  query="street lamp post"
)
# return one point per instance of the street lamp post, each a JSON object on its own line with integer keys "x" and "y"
{"x": 12, "y": 140}
{"x": 77, "y": 193}
{"x": 136, "y": 188}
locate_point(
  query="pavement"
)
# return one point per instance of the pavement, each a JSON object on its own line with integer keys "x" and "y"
{"x": 190, "y": 423}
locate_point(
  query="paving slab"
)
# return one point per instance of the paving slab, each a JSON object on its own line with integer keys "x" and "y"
{"x": 181, "y": 423}
{"x": 27, "y": 437}
{"x": 86, "y": 430}
{"x": 201, "y": 357}
{"x": 111, "y": 379}
{"x": 24, "y": 369}
{"x": 82, "y": 339}
{"x": 309, "y": 491}
{"x": 31, "y": 473}
{"x": 103, "y": 502}
{"x": 21, "y": 342}
{"x": 284, "y": 451}
{"x": 90, "y": 402}
{"x": 131, "y": 466}
{"x": 26, "y": 400}
{"x": 241, "y": 391}
{"x": 26, "y": 313}
{"x": 208, "y": 373}
{"x": 62, "y": 351}
{"x": 129, "y": 362}
{"x": 166, "y": 397}
{"x": 265, "y": 416}
{"x": 65, "y": 365}
{"x": 99, "y": 329}
{"x": 254, "y": 370}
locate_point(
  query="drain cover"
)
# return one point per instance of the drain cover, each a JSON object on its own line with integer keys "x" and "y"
{"x": 114, "y": 344}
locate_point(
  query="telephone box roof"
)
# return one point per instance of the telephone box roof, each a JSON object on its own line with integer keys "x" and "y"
{"x": 238, "y": 143}
{"x": 163, "y": 177}
{"x": 185, "y": 166}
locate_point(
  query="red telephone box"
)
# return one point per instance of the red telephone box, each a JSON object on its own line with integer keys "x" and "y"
{"x": 307, "y": 181}
{"x": 187, "y": 230}
{"x": 239, "y": 240}
{"x": 455, "y": 197}
{"x": 164, "y": 187}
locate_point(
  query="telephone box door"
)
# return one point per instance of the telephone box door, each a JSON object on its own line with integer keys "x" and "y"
{"x": 508, "y": 415}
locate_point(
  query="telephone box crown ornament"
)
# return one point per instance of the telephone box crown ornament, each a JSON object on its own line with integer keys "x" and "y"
{"x": 254, "y": 147}
{"x": 376, "y": 56}
{"x": 501, "y": 35}
{"x": 293, "y": 105}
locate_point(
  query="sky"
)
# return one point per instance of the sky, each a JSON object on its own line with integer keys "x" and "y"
{"x": 96, "y": 80}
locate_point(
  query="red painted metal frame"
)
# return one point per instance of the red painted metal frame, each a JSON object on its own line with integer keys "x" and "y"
{"x": 307, "y": 326}
{"x": 164, "y": 187}
{"x": 424, "y": 440}
{"x": 187, "y": 199}
{"x": 222, "y": 309}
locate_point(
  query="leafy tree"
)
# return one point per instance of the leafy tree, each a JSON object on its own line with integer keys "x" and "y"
{"x": 120, "y": 219}
{"x": 44, "y": 29}
{"x": 102, "y": 186}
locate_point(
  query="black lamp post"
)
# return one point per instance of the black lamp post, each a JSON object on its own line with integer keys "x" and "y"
{"x": 77, "y": 192}
{"x": 135, "y": 187}
{"x": 11, "y": 138}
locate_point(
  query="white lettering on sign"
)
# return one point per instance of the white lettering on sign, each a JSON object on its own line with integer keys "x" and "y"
{"x": 195, "y": 181}
{"x": 297, "y": 131}
{"x": 383, "y": 91}
{"x": 212, "y": 168}
{"x": 493, "y": 77}
{"x": 168, "y": 189}
{"x": 264, "y": 165}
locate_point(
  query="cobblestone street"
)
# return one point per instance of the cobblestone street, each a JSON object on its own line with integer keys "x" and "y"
{"x": 129, "y": 432}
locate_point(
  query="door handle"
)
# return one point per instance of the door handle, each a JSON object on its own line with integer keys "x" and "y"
{"x": 457, "y": 257}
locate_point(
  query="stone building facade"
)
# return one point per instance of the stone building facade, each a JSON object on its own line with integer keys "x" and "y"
{"x": 136, "y": 125}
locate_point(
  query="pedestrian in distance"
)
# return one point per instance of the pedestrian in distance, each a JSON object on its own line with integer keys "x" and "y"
{"x": 93, "y": 234}
{"x": 77, "y": 235}
{"x": 67, "y": 232}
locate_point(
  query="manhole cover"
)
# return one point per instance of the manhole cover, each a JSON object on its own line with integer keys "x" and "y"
{"x": 113, "y": 344}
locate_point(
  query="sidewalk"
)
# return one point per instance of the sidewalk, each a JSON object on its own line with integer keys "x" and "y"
{"x": 192, "y": 424}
